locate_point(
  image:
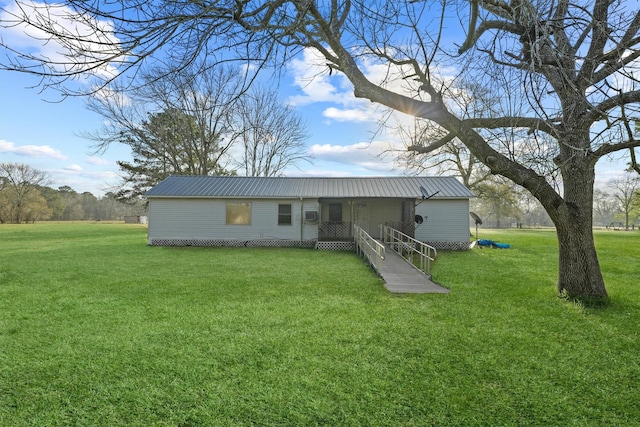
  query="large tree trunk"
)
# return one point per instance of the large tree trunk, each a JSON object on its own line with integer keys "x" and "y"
{"x": 578, "y": 270}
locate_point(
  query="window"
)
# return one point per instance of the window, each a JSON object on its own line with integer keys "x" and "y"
{"x": 284, "y": 214}
{"x": 239, "y": 213}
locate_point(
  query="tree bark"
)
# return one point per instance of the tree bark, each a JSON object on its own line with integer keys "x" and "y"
{"x": 578, "y": 269}
{"x": 579, "y": 272}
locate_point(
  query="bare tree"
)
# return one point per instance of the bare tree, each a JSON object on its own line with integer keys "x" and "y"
{"x": 20, "y": 196}
{"x": 178, "y": 123}
{"x": 272, "y": 134}
{"x": 195, "y": 122}
{"x": 624, "y": 191}
{"x": 574, "y": 61}
{"x": 499, "y": 198}
{"x": 605, "y": 207}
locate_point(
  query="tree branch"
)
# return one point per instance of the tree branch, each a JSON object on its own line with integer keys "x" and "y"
{"x": 422, "y": 149}
{"x": 601, "y": 110}
{"x": 485, "y": 26}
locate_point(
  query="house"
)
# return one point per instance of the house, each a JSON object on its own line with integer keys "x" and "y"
{"x": 292, "y": 211}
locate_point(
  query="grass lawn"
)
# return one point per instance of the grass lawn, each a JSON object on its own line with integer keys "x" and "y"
{"x": 97, "y": 328}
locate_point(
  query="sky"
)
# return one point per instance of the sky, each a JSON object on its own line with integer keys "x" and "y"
{"x": 38, "y": 129}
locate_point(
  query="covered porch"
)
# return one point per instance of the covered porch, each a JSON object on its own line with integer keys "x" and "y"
{"x": 338, "y": 216}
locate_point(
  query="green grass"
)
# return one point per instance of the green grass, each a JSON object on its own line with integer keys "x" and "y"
{"x": 97, "y": 328}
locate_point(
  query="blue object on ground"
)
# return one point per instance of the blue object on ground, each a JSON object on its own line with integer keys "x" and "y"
{"x": 491, "y": 243}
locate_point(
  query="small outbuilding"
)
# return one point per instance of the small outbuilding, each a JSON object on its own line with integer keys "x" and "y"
{"x": 297, "y": 211}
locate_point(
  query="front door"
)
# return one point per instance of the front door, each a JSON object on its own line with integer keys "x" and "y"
{"x": 362, "y": 216}
{"x": 335, "y": 212}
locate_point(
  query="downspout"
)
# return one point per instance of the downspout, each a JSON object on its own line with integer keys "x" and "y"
{"x": 301, "y": 220}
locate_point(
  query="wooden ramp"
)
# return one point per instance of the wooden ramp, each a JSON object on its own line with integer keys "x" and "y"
{"x": 401, "y": 277}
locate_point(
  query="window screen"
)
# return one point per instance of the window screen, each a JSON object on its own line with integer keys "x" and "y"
{"x": 284, "y": 214}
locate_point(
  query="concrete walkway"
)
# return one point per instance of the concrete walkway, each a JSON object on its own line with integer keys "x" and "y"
{"x": 400, "y": 277}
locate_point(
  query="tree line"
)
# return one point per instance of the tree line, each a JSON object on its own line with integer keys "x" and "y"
{"x": 501, "y": 204}
{"x": 25, "y": 197}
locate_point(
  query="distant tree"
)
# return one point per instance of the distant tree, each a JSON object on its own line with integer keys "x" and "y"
{"x": 624, "y": 191}
{"x": 20, "y": 196}
{"x": 55, "y": 202}
{"x": 72, "y": 207}
{"x": 110, "y": 208}
{"x": 533, "y": 214}
{"x": 605, "y": 207}
{"x": 163, "y": 146}
{"x": 452, "y": 158}
{"x": 271, "y": 134}
{"x": 89, "y": 204}
{"x": 635, "y": 204}
{"x": 35, "y": 208}
{"x": 500, "y": 199}
{"x": 448, "y": 155}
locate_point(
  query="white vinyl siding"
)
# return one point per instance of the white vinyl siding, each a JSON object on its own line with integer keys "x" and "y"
{"x": 206, "y": 219}
{"x": 446, "y": 221}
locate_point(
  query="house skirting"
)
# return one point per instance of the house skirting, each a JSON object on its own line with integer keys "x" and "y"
{"x": 234, "y": 243}
{"x": 335, "y": 246}
{"x": 450, "y": 246}
{"x": 322, "y": 245}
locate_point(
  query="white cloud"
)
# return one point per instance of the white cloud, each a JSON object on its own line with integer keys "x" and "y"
{"x": 80, "y": 180}
{"x": 310, "y": 74}
{"x": 371, "y": 156}
{"x": 31, "y": 150}
{"x": 114, "y": 96}
{"x": 73, "y": 168}
{"x": 348, "y": 115}
{"x": 98, "y": 161}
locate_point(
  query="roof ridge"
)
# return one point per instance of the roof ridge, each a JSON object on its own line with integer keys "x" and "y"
{"x": 316, "y": 177}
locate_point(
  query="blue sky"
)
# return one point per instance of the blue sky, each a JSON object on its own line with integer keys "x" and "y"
{"x": 36, "y": 130}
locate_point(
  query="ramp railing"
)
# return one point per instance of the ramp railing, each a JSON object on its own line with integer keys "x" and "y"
{"x": 418, "y": 253}
{"x": 368, "y": 247}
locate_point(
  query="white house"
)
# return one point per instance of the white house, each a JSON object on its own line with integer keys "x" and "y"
{"x": 292, "y": 211}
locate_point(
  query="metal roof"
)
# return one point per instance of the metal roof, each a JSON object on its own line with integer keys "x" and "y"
{"x": 295, "y": 187}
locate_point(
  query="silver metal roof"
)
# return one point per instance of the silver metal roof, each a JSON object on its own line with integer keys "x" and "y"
{"x": 294, "y": 187}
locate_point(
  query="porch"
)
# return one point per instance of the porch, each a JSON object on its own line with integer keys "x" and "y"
{"x": 337, "y": 217}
